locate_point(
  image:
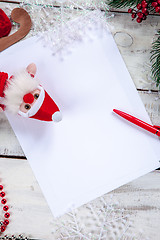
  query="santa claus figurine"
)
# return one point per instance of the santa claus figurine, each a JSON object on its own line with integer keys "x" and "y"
{"x": 22, "y": 94}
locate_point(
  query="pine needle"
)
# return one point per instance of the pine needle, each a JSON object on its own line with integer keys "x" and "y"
{"x": 155, "y": 60}
{"x": 123, "y": 3}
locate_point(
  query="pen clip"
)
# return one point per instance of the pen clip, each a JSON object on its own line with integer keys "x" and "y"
{"x": 158, "y": 127}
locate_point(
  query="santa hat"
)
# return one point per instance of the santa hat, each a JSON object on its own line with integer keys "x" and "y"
{"x": 44, "y": 109}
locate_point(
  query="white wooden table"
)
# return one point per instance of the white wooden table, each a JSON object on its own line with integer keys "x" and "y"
{"x": 141, "y": 198}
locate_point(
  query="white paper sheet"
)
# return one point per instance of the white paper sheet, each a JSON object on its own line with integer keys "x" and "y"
{"x": 91, "y": 151}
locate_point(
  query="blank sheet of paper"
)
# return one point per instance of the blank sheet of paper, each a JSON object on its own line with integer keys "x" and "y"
{"x": 91, "y": 151}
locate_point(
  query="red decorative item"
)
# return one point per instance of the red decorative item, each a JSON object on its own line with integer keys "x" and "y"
{"x": 133, "y": 15}
{"x": 139, "y": 6}
{"x": 139, "y": 20}
{"x": 143, "y": 9}
{"x": 157, "y": 9}
{"x": 7, "y": 215}
{"x": 5, "y": 24}
{"x": 140, "y": 15}
{"x": 2, "y": 194}
{"x": 28, "y": 98}
{"x": 5, "y": 222}
{"x": 130, "y": 10}
{"x": 3, "y": 201}
{"x": 3, "y": 228}
{"x": 144, "y": 4}
{"x": 5, "y": 208}
{"x": 154, "y": 4}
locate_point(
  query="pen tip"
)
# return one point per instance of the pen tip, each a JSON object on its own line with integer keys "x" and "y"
{"x": 115, "y": 110}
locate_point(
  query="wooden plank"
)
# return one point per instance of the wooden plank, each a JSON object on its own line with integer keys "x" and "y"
{"x": 152, "y": 104}
{"x": 29, "y": 211}
{"x": 31, "y": 216}
{"x": 134, "y": 42}
{"x": 10, "y": 146}
{"x": 141, "y": 200}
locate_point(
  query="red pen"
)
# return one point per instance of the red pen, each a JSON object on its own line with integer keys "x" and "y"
{"x": 138, "y": 122}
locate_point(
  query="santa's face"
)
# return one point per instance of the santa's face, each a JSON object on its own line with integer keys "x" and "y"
{"x": 25, "y": 107}
{"x": 39, "y": 105}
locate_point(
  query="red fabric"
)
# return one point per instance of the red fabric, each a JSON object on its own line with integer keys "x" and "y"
{"x": 2, "y": 106}
{"x": 5, "y": 24}
{"x": 28, "y": 98}
{"x": 47, "y": 109}
{"x": 3, "y": 78}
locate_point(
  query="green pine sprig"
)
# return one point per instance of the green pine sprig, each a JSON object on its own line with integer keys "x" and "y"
{"x": 123, "y": 3}
{"x": 155, "y": 60}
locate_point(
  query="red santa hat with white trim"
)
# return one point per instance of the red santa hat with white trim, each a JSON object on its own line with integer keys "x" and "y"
{"x": 18, "y": 89}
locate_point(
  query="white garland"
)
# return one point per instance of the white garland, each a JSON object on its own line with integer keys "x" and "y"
{"x": 64, "y": 38}
{"x": 48, "y": 14}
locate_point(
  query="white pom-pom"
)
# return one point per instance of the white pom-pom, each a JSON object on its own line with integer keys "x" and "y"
{"x": 57, "y": 117}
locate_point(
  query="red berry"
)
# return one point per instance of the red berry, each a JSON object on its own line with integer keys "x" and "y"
{"x": 7, "y": 215}
{"x": 3, "y": 228}
{"x": 157, "y": 9}
{"x": 6, "y": 222}
{"x": 133, "y": 15}
{"x": 5, "y": 208}
{"x": 139, "y": 20}
{"x": 146, "y": 13}
{"x": 3, "y": 201}
{"x": 1, "y": 187}
{"x": 2, "y": 194}
{"x": 154, "y": 4}
{"x": 144, "y": 10}
{"x": 144, "y": 5}
{"x": 130, "y": 10}
{"x": 139, "y": 6}
{"x": 140, "y": 15}
{"x": 144, "y": 17}
{"x": 158, "y": 1}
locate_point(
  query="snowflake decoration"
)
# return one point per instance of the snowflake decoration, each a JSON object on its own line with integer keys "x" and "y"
{"x": 49, "y": 14}
{"x": 101, "y": 219}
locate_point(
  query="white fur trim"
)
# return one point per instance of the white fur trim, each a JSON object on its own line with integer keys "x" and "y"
{"x": 36, "y": 106}
{"x": 57, "y": 117}
{"x": 21, "y": 84}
